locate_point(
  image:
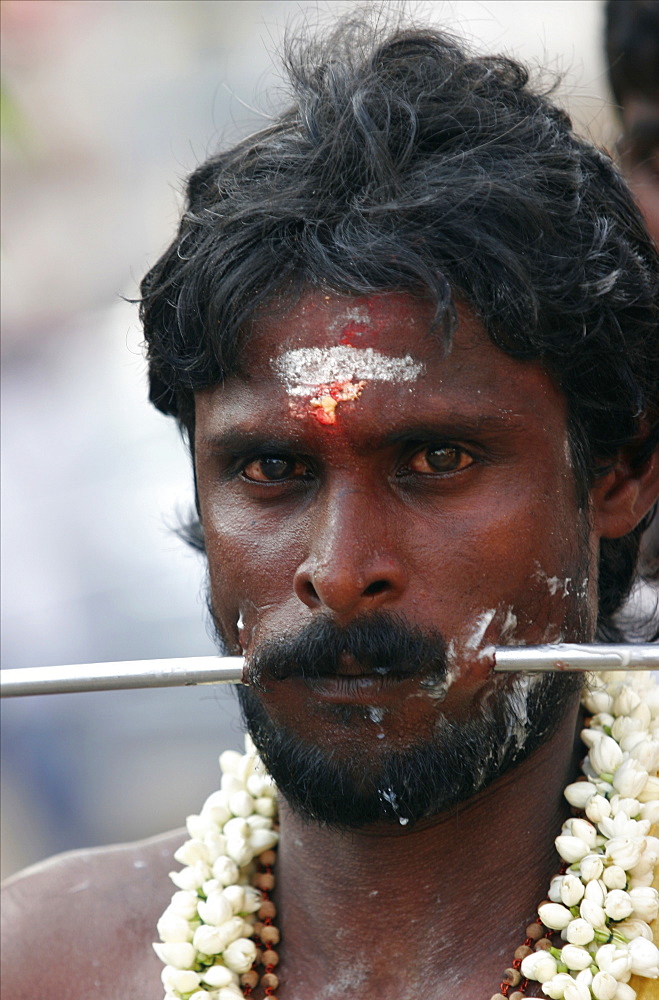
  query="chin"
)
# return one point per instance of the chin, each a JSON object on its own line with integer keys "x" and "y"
{"x": 402, "y": 785}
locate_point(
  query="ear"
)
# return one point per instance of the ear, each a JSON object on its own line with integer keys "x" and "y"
{"x": 624, "y": 495}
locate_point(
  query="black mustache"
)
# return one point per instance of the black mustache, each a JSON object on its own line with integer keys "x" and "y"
{"x": 380, "y": 643}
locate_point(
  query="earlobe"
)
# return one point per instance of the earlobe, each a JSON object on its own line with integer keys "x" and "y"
{"x": 624, "y": 495}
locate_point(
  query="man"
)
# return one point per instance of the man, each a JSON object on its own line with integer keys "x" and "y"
{"x": 410, "y": 330}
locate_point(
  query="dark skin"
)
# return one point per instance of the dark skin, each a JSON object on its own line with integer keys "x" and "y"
{"x": 450, "y": 504}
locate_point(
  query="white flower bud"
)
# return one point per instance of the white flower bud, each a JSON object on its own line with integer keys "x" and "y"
{"x": 571, "y": 890}
{"x": 645, "y": 902}
{"x": 241, "y": 803}
{"x": 625, "y": 992}
{"x": 180, "y": 954}
{"x": 650, "y": 791}
{"x": 596, "y": 891}
{"x": 630, "y": 807}
{"x": 593, "y": 913}
{"x": 630, "y": 778}
{"x": 240, "y": 955}
{"x": 571, "y": 849}
{"x": 253, "y": 899}
{"x": 217, "y": 939}
{"x": 640, "y": 881}
{"x": 215, "y": 910}
{"x": 555, "y": 988}
{"x": 575, "y": 958}
{"x": 239, "y": 850}
{"x": 266, "y": 806}
{"x": 624, "y": 851}
{"x": 614, "y": 877}
{"x": 579, "y": 932}
{"x": 209, "y": 940}
{"x": 229, "y": 993}
{"x": 263, "y": 840}
{"x": 643, "y": 713}
{"x": 584, "y": 830}
{"x": 633, "y": 928}
{"x": 179, "y": 980}
{"x": 173, "y": 928}
{"x": 225, "y": 871}
{"x": 604, "y": 986}
{"x": 591, "y": 867}
{"x": 644, "y": 957}
{"x": 591, "y": 736}
{"x": 650, "y": 812}
{"x": 235, "y": 894}
{"x": 598, "y": 808}
{"x": 191, "y": 878}
{"x": 184, "y": 904}
{"x": 625, "y": 701}
{"x": 217, "y": 976}
{"x": 237, "y": 827}
{"x": 605, "y": 756}
{"x": 554, "y": 916}
{"x": 577, "y": 991}
{"x": 230, "y": 761}
{"x": 539, "y": 966}
{"x": 191, "y": 851}
{"x": 618, "y": 904}
{"x": 257, "y": 822}
{"x": 230, "y": 784}
{"x": 579, "y": 793}
{"x": 616, "y": 961}
{"x": 646, "y": 752}
{"x": 597, "y": 701}
{"x": 555, "y": 888}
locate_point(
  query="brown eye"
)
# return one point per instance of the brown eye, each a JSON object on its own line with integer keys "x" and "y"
{"x": 435, "y": 461}
{"x": 272, "y": 469}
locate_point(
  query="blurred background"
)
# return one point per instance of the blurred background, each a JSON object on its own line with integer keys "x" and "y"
{"x": 106, "y": 106}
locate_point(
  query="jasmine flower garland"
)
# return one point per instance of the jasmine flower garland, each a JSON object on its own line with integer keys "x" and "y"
{"x": 602, "y": 905}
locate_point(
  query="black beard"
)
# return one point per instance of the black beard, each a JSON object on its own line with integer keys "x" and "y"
{"x": 424, "y": 778}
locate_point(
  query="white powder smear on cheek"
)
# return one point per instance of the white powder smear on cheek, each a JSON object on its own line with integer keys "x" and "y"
{"x": 306, "y": 368}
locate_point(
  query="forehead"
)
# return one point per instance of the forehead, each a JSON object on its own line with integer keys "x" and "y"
{"x": 388, "y": 340}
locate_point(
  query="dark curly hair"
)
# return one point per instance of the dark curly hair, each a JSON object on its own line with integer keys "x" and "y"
{"x": 406, "y": 163}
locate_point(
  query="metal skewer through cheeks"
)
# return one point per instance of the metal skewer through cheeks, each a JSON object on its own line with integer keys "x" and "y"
{"x": 190, "y": 670}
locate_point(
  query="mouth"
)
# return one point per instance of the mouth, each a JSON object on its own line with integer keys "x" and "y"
{"x": 358, "y": 689}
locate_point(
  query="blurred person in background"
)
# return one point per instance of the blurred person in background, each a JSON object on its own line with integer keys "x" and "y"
{"x": 409, "y": 329}
{"x": 632, "y": 52}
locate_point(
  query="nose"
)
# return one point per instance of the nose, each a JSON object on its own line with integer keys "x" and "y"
{"x": 352, "y": 565}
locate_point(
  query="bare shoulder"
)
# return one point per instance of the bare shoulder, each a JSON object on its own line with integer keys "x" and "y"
{"x": 83, "y": 922}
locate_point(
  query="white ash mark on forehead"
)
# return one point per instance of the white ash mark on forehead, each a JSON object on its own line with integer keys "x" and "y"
{"x": 302, "y": 370}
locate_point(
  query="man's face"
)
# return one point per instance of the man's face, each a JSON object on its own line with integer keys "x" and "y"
{"x": 362, "y": 488}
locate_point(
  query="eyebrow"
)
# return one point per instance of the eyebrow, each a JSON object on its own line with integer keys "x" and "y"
{"x": 238, "y": 440}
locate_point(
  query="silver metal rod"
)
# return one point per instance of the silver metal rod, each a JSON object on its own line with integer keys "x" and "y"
{"x": 188, "y": 670}
{"x": 576, "y": 656}
{"x": 118, "y": 676}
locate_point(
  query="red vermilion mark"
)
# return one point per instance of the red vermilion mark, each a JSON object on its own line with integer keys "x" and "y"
{"x": 322, "y": 407}
{"x": 357, "y": 334}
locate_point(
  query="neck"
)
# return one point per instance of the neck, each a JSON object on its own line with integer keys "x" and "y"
{"x": 457, "y": 890}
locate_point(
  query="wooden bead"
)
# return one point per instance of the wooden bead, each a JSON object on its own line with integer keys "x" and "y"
{"x": 523, "y": 951}
{"x": 512, "y": 977}
{"x": 264, "y": 880}
{"x": 497, "y": 996}
{"x": 534, "y": 931}
{"x": 268, "y": 858}
{"x": 250, "y": 979}
{"x": 270, "y": 957}
{"x": 269, "y": 934}
{"x": 267, "y": 910}
{"x": 544, "y": 944}
{"x": 270, "y": 979}
{"x": 258, "y": 928}
{"x": 517, "y": 995}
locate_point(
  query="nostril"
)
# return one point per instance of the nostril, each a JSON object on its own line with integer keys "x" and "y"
{"x": 375, "y": 588}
